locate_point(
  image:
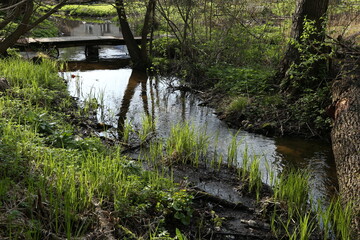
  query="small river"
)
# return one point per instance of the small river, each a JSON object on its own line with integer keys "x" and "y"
{"x": 129, "y": 94}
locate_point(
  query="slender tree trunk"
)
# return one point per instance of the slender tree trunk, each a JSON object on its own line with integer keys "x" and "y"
{"x": 345, "y": 136}
{"x": 311, "y": 10}
{"x": 131, "y": 44}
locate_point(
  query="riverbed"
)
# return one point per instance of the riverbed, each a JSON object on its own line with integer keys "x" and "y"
{"x": 124, "y": 93}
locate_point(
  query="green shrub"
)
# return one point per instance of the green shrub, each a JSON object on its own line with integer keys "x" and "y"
{"x": 238, "y": 104}
{"x": 239, "y": 80}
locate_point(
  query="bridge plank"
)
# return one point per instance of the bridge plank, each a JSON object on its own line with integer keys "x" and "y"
{"x": 72, "y": 41}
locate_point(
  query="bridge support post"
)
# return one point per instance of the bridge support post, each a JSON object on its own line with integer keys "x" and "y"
{"x": 92, "y": 52}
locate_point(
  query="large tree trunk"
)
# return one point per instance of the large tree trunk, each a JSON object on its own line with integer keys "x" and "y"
{"x": 311, "y": 10}
{"x": 345, "y": 135}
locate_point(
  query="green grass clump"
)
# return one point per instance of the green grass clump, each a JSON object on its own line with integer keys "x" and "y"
{"x": 186, "y": 145}
{"x": 238, "y": 104}
{"x": 335, "y": 219}
{"x": 27, "y": 75}
{"x": 300, "y": 221}
{"x": 293, "y": 188}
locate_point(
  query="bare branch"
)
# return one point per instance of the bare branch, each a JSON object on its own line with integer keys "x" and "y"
{"x": 13, "y": 6}
{"x": 48, "y": 14}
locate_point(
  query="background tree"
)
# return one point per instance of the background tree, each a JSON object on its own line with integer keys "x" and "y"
{"x": 306, "y": 10}
{"x": 25, "y": 13}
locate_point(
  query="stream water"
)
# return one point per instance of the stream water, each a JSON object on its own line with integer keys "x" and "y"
{"x": 124, "y": 93}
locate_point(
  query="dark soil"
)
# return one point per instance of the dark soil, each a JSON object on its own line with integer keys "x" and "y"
{"x": 221, "y": 192}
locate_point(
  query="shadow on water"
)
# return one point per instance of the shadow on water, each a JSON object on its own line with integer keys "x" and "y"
{"x": 98, "y": 65}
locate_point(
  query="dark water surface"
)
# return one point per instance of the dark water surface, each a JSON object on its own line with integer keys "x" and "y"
{"x": 127, "y": 95}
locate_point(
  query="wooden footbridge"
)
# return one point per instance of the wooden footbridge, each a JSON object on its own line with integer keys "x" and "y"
{"x": 63, "y": 42}
{"x": 91, "y": 43}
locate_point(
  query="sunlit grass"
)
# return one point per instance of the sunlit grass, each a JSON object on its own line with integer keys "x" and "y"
{"x": 186, "y": 145}
{"x": 62, "y": 177}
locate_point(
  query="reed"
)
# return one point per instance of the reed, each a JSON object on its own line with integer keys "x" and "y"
{"x": 128, "y": 129}
{"x": 232, "y": 151}
{"x": 335, "y": 219}
{"x": 243, "y": 170}
{"x": 147, "y": 128}
{"x": 293, "y": 188}
{"x": 185, "y": 145}
{"x": 255, "y": 181}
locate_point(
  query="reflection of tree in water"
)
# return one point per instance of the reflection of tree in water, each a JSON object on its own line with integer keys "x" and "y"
{"x": 136, "y": 78}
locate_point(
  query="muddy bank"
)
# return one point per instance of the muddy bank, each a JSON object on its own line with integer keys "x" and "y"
{"x": 222, "y": 193}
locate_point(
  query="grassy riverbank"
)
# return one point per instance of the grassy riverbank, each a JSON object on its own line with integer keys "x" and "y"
{"x": 59, "y": 180}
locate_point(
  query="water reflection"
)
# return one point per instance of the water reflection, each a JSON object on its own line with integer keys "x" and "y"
{"x": 129, "y": 95}
{"x": 82, "y": 28}
{"x": 314, "y": 156}
{"x": 131, "y": 91}
{"x": 136, "y": 78}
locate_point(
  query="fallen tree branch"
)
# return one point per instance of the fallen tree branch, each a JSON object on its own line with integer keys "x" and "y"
{"x": 198, "y": 193}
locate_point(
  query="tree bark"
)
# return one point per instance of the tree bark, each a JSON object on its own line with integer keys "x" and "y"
{"x": 311, "y": 10}
{"x": 345, "y": 136}
{"x": 131, "y": 44}
{"x": 146, "y": 27}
